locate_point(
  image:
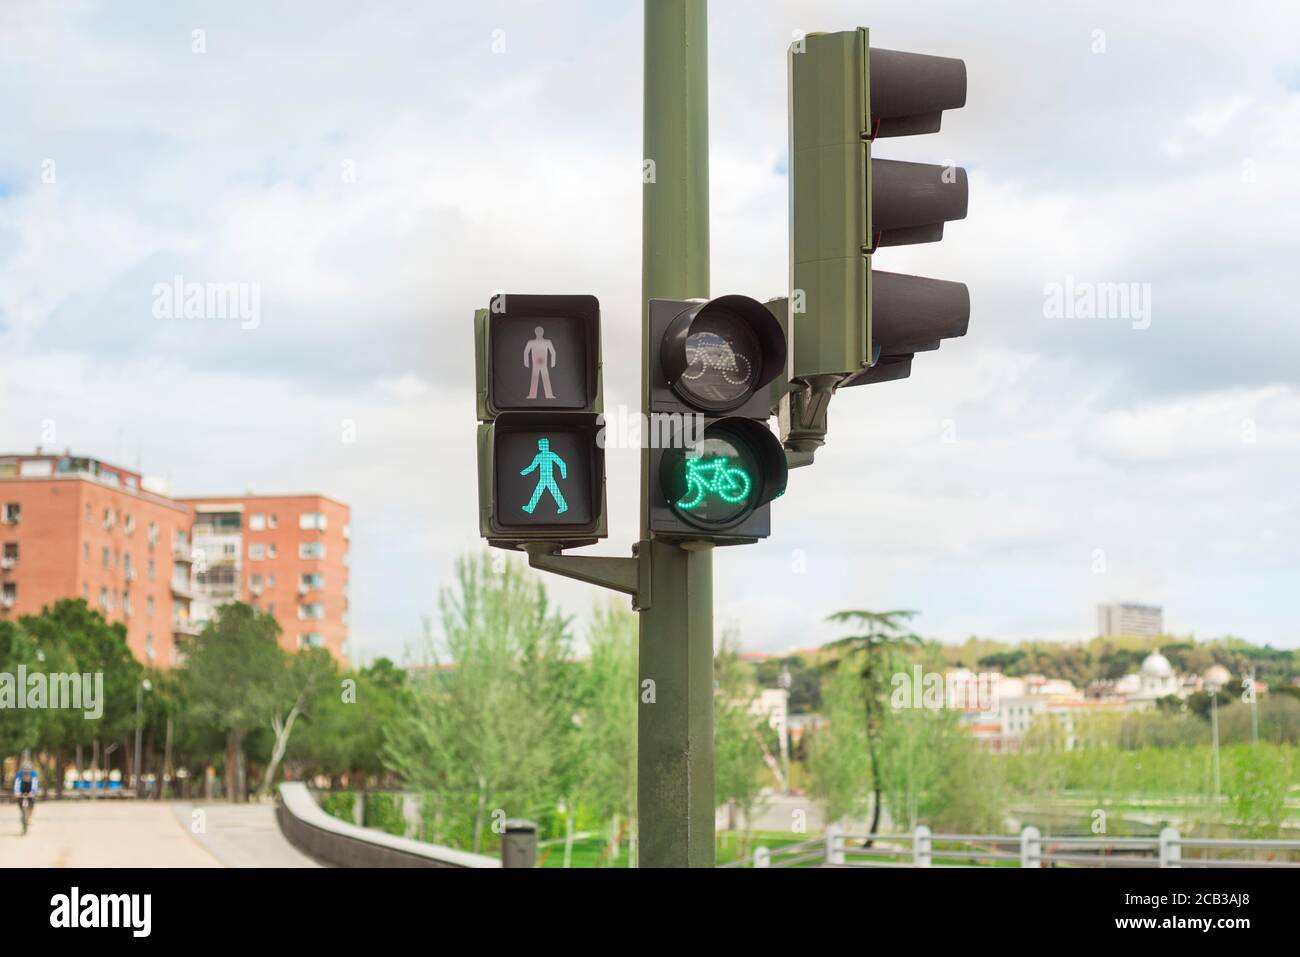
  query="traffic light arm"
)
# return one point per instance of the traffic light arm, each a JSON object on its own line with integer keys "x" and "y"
{"x": 631, "y": 576}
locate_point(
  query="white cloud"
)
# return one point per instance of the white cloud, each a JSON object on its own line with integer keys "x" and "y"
{"x": 1214, "y": 118}
{"x": 379, "y": 178}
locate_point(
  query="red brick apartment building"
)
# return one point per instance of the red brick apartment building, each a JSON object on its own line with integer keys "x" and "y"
{"x": 286, "y": 555}
{"x": 74, "y": 526}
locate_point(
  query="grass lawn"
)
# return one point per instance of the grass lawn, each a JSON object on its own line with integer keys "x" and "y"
{"x": 591, "y": 851}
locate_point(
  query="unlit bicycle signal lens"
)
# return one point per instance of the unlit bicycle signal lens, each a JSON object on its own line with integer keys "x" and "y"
{"x": 718, "y": 354}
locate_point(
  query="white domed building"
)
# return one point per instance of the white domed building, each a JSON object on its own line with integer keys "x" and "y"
{"x": 1156, "y": 679}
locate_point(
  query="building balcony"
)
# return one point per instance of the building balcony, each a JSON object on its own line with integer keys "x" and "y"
{"x": 187, "y": 628}
{"x": 182, "y": 589}
{"x": 181, "y": 553}
{"x": 7, "y": 563}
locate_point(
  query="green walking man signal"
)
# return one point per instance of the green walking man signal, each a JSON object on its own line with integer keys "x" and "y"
{"x": 545, "y": 463}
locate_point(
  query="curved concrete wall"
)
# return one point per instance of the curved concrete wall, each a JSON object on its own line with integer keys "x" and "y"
{"x": 336, "y": 842}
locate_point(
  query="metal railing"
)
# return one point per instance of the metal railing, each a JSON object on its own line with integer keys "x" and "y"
{"x": 1029, "y": 848}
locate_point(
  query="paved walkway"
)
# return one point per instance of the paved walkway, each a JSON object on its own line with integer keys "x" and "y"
{"x": 241, "y": 835}
{"x": 129, "y": 833}
{"x": 104, "y": 833}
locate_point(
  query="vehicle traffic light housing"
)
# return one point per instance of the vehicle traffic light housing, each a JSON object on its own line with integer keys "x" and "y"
{"x": 848, "y": 321}
{"x": 541, "y": 465}
{"x": 715, "y": 466}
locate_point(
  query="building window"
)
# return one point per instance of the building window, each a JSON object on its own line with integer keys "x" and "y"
{"x": 8, "y": 594}
{"x": 85, "y": 551}
{"x": 149, "y": 606}
{"x": 311, "y": 549}
{"x": 255, "y": 584}
{"x": 256, "y": 522}
{"x": 126, "y": 603}
{"x": 107, "y": 556}
{"x": 148, "y": 646}
{"x": 311, "y": 612}
{"x": 110, "y": 518}
{"x": 270, "y": 550}
{"x": 129, "y": 524}
{"x": 103, "y": 599}
{"x": 85, "y": 591}
{"x": 272, "y": 521}
{"x": 311, "y": 639}
{"x": 310, "y": 580}
{"x": 256, "y": 553}
{"x": 270, "y": 582}
{"x": 312, "y": 520}
{"x": 153, "y": 568}
{"x": 153, "y": 533}
{"x": 89, "y": 513}
{"x": 13, "y": 513}
{"x": 10, "y": 556}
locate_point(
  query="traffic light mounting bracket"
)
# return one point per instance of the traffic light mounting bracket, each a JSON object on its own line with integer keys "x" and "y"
{"x": 631, "y": 576}
{"x": 803, "y": 417}
{"x": 801, "y": 403}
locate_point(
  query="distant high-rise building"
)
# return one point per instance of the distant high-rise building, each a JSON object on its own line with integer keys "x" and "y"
{"x": 1127, "y": 618}
{"x": 73, "y": 526}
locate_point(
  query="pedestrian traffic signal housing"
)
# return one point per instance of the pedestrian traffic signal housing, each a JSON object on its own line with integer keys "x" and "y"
{"x": 714, "y": 464}
{"x": 847, "y": 320}
{"x": 541, "y": 465}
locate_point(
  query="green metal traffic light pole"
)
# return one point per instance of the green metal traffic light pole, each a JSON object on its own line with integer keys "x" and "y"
{"x": 675, "y": 806}
{"x": 671, "y": 585}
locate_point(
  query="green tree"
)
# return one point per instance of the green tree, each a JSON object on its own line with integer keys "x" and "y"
{"x": 71, "y": 638}
{"x": 480, "y": 740}
{"x": 839, "y": 765}
{"x": 608, "y": 738}
{"x": 233, "y": 669}
{"x": 293, "y": 689}
{"x": 21, "y": 729}
{"x": 872, "y": 652}
{"x": 737, "y": 744}
{"x": 344, "y": 730}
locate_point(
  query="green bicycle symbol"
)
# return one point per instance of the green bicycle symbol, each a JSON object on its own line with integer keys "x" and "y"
{"x": 714, "y": 475}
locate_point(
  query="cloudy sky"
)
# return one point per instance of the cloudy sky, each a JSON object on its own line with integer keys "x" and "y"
{"x": 378, "y": 170}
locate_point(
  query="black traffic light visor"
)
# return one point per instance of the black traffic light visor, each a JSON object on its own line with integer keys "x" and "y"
{"x": 909, "y": 313}
{"x": 910, "y": 91}
{"x": 910, "y": 202}
{"x": 717, "y": 354}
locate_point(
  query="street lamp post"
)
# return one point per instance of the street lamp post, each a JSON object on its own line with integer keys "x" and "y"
{"x": 140, "y": 689}
{"x": 1214, "y": 730}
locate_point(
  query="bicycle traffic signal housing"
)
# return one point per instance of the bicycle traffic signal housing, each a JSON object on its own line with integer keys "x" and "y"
{"x": 715, "y": 466}
{"x": 541, "y": 468}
